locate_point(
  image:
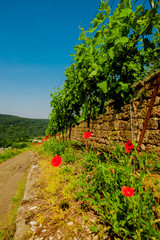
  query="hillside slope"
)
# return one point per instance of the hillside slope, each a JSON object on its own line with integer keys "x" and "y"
{"x": 18, "y": 129}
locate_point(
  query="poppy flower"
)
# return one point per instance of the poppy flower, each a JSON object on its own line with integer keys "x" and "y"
{"x": 129, "y": 146}
{"x": 57, "y": 134}
{"x": 56, "y": 161}
{"x": 127, "y": 191}
{"x": 87, "y": 135}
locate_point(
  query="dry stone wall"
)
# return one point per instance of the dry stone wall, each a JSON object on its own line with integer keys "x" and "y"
{"x": 128, "y": 123}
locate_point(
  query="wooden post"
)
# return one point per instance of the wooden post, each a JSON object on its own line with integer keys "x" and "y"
{"x": 149, "y": 113}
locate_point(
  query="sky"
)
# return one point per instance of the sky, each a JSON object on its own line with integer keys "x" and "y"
{"x": 37, "y": 38}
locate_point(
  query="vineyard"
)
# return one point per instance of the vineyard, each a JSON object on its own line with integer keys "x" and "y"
{"x": 84, "y": 191}
{"x": 115, "y": 52}
{"x": 120, "y": 187}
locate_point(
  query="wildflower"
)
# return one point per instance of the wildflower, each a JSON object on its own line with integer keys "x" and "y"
{"x": 87, "y": 135}
{"x": 56, "y": 161}
{"x": 57, "y": 134}
{"x": 127, "y": 191}
{"x": 129, "y": 146}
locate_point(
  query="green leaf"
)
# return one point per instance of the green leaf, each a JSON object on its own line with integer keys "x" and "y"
{"x": 125, "y": 13}
{"x": 103, "y": 86}
{"x": 111, "y": 52}
{"x": 122, "y": 40}
{"x": 93, "y": 73}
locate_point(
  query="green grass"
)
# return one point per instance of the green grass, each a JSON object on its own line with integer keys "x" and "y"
{"x": 6, "y": 154}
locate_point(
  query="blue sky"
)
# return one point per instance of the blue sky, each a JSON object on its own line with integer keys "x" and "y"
{"x": 36, "y": 40}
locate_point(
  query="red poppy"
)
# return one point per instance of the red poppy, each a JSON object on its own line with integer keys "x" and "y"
{"x": 57, "y": 134}
{"x": 129, "y": 146}
{"x": 127, "y": 191}
{"x": 56, "y": 161}
{"x": 87, "y": 135}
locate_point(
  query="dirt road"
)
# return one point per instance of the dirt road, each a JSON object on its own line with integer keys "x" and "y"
{"x": 11, "y": 172}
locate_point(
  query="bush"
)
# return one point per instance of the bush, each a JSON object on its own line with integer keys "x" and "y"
{"x": 55, "y": 147}
{"x": 19, "y": 145}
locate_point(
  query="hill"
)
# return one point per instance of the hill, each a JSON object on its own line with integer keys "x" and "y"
{"x": 18, "y": 129}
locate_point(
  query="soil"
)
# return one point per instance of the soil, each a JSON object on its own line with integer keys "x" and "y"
{"x": 11, "y": 172}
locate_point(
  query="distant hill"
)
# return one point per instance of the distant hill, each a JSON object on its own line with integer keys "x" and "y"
{"x": 18, "y": 129}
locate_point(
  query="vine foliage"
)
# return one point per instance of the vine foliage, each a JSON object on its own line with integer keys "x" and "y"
{"x": 116, "y": 51}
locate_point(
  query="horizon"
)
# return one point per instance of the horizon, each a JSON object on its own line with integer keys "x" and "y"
{"x": 23, "y": 117}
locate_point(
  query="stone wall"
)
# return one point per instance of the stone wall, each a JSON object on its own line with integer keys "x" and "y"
{"x": 117, "y": 126}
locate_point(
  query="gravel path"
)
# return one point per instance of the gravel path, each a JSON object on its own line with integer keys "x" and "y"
{"x": 11, "y": 172}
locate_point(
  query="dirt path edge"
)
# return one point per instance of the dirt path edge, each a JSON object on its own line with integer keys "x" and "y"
{"x": 29, "y": 199}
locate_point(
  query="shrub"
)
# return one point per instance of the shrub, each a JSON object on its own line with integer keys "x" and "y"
{"x": 54, "y": 146}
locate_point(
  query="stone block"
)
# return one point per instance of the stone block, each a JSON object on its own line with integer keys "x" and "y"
{"x": 99, "y": 121}
{"x": 105, "y": 126}
{"x": 108, "y": 118}
{"x": 124, "y": 116}
{"x": 111, "y": 126}
{"x": 157, "y": 101}
{"x": 154, "y": 137}
{"x": 142, "y": 113}
{"x": 116, "y": 125}
{"x": 140, "y": 123}
{"x": 142, "y": 103}
{"x": 153, "y": 124}
{"x": 152, "y": 148}
{"x": 156, "y": 112}
{"x": 124, "y": 125}
{"x": 115, "y": 136}
{"x": 125, "y": 135}
{"x": 97, "y": 126}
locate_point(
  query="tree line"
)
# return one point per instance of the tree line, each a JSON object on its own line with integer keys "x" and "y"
{"x": 15, "y": 129}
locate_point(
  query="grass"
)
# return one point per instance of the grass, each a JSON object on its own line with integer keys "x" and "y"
{"x": 7, "y": 154}
{"x": 8, "y": 225}
{"x": 87, "y": 188}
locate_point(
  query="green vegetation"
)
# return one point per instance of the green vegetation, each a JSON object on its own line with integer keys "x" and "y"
{"x": 115, "y": 52}
{"x": 93, "y": 183}
{"x": 15, "y": 129}
{"x": 6, "y": 154}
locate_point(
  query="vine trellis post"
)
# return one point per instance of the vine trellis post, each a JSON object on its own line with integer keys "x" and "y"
{"x": 149, "y": 112}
